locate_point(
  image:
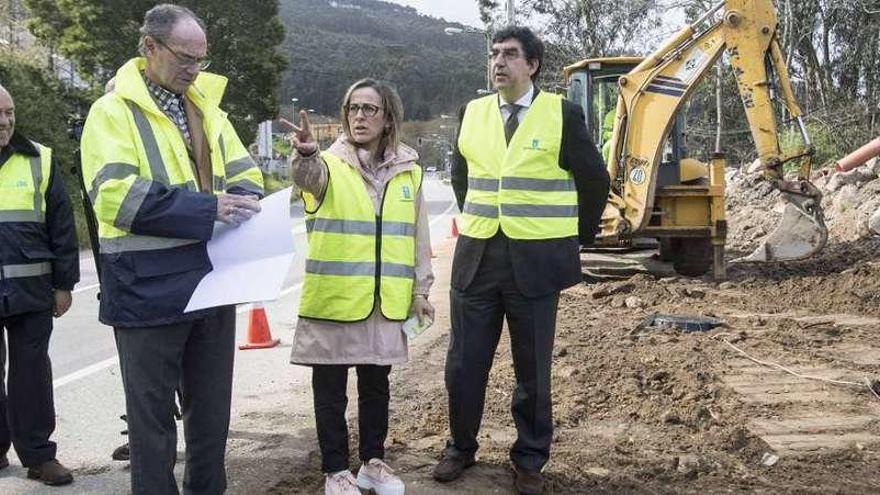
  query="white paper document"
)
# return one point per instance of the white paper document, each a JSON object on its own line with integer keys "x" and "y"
{"x": 250, "y": 261}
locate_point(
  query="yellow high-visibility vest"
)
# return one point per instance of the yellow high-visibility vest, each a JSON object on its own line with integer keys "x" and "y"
{"x": 23, "y": 183}
{"x": 129, "y": 142}
{"x": 356, "y": 256}
{"x": 519, "y": 187}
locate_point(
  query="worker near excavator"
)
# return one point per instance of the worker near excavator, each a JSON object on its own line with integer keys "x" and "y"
{"x": 532, "y": 187}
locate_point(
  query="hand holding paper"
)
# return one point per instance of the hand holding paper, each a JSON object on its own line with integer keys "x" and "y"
{"x": 250, "y": 260}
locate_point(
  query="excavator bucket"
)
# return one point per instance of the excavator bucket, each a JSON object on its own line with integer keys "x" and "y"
{"x": 800, "y": 234}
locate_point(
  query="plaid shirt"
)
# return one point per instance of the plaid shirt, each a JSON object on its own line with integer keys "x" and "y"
{"x": 172, "y": 105}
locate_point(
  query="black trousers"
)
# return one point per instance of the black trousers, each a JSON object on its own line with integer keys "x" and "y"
{"x": 197, "y": 356}
{"x": 27, "y": 407}
{"x": 329, "y": 384}
{"x": 477, "y": 317}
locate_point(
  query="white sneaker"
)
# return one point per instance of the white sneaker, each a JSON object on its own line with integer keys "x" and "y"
{"x": 341, "y": 483}
{"x": 379, "y": 477}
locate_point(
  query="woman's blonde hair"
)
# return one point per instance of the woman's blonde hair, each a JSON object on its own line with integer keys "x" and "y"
{"x": 392, "y": 106}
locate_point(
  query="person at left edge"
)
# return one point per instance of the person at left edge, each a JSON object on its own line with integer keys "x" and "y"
{"x": 39, "y": 265}
{"x": 163, "y": 163}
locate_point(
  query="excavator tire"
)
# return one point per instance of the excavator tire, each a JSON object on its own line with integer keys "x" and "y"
{"x": 691, "y": 256}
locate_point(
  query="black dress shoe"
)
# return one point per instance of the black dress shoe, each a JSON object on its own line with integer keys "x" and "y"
{"x": 450, "y": 468}
{"x": 121, "y": 453}
{"x": 528, "y": 482}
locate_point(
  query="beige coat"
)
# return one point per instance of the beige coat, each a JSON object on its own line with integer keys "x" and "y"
{"x": 375, "y": 340}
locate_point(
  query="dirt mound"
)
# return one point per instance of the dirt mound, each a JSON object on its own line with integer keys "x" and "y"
{"x": 653, "y": 410}
{"x": 646, "y": 410}
{"x": 753, "y": 211}
{"x": 849, "y": 200}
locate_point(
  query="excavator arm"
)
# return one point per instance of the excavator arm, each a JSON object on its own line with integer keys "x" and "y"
{"x": 654, "y": 91}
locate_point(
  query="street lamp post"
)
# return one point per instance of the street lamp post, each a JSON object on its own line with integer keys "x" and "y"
{"x": 451, "y": 31}
{"x": 293, "y": 108}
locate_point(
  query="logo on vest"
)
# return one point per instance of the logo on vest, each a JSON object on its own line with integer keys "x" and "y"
{"x": 406, "y": 192}
{"x": 536, "y": 146}
{"x": 19, "y": 184}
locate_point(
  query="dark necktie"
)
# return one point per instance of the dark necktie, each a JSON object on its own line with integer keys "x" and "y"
{"x": 512, "y": 121}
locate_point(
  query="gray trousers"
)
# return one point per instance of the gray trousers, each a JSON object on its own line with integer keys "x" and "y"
{"x": 197, "y": 356}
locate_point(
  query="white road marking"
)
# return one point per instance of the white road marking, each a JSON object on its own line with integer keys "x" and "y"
{"x": 84, "y": 372}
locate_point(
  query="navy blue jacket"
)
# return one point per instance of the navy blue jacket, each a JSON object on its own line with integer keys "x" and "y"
{"x": 32, "y": 242}
{"x": 152, "y": 287}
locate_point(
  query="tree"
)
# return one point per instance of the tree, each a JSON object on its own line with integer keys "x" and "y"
{"x": 42, "y": 109}
{"x": 101, "y": 35}
{"x": 42, "y": 105}
{"x": 831, "y": 48}
{"x": 243, "y": 37}
{"x": 576, "y": 29}
{"x": 331, "y": 48}
{"x": 594, "y": 28}
{"x": 488, "y": 10}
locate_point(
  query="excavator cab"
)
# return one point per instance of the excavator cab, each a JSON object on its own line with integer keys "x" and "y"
{"x": 593, "y": 86}
{"x": 688, "y": 213}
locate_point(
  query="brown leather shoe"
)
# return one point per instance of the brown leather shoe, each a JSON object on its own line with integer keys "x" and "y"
{"x": 51, "y": 473}
{"x": 4, "y": 461}
{"x": 528, "y": 482}
{"x": 450, "y": 468}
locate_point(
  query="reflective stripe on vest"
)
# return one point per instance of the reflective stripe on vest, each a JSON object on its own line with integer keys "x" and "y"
{"x": 519, "y": 187}
{"x": 354, "y": 268}
{"x": 148, "y": 138}
{"x": 359, "y": 227}
{"x": 353, "y": 253}
{"x": 130, "y": 147}
{"x": 26, "y": 270}
{"x": 23, "y": 183}
{"x": 133, "y": 242}
{"x": 138, "y": 190}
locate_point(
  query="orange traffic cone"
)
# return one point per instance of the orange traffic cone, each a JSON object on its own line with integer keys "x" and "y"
{"x": 454, "y": 229}
{"x": 258, "y": 334}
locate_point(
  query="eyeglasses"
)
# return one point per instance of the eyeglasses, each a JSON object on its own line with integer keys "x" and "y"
{"x": 368, "y": 109}
{"x": 186, "y": 60}
{"x": 506, "y": 54}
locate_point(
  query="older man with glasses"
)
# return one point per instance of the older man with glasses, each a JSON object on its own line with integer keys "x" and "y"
{"x": 163, "y": 163}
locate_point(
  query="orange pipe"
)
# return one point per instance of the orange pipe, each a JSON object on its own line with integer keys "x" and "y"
{"x": 859, "y": 156}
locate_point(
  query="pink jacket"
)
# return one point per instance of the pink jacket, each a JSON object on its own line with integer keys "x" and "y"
{"x": 375, "y": 340}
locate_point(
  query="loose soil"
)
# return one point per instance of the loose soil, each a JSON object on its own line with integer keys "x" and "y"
{"x": 644, "y": 409}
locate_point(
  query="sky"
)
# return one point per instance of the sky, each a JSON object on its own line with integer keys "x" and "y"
{"x": 466, "y": 12}
{"x": 463, "y": 11}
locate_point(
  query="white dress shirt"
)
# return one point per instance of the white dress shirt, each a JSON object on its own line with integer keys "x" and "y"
{"x": 525, "y": 101}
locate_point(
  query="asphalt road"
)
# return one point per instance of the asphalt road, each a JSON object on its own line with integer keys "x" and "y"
{"x": 88, "y": 389}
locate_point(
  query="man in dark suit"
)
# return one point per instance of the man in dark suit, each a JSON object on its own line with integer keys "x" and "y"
{"x": 532, "y": 187}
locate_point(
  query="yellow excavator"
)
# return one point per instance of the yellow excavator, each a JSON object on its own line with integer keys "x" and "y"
{"x": 658, "y": 193}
